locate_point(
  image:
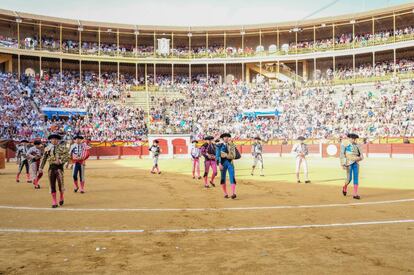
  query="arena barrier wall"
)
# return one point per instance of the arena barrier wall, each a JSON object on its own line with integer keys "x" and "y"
{"x": 181, "y": 150}
{"x": 2, "y": 159}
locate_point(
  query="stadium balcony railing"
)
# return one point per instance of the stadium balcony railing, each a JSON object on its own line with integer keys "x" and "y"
{"x": 361, "y": 79}
{"x": 333, "y": 82}
{"x": 222, "y": 54}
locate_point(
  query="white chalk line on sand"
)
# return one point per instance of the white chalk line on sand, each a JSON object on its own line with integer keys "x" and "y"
{"x": 203, "y": 209}
{"x": 204, "y": 230}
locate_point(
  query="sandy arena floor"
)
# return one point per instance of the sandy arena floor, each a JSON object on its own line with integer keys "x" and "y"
{"x": 130, "y": 221}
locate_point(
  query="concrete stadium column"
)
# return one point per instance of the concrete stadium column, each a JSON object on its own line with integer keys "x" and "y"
{"x": 99, "y": 72}
{"x": 305, "y": 69}
{"x": 18, "y": 66}
{"x": 60, "y": 38}
{"x": 136, "y": 72}
{"x": 242, "y": 41}
{"x": 155, "y": 74}
{"x": 40, "y": 35}
{"x": 146, "y": 77}
{"x": 247, "y": 74}
{"x": 277, "y": 39}
{"x": 80, "y": 40}
{"x": 61, "y": 69}
{"x": 117, "y": 44}
{"x": 353, "y": 64}
{"x": 393, "y": 25}
{"x": 353, "y": 34}
{"x": 18, "y": 35}
{"x": 260, "y": 37}
{"x": 296, "y": 47}
{"x": 296, "y": 69}
{"x": 373, "y": 60}
{"x": 189, "y": 34}
{"x": 147, "y": 95}
{"x": 117, "y": 72}
{"x": 172, "y": 41}
{"x": 278, "y": 67}
{"x": 99, "y": 41}
{"x": 207, "y": 48}
{"x": 225, "y": 42}
{"x": 314, "y": 37}
{"x": 155, "y": 42}
{"x": 172, "y": 73}
{"x": 136, "y": 42}
{"x": 373, "y": 26}
{"x": 395, "y": 60}
{"x": 207, "y": 70}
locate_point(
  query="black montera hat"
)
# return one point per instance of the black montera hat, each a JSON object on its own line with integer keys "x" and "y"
{"x": 225, "y": 135}
{"x": 353, "y": 136}
{"x": 37, "y": 142}
{"x": 52, "y": 136}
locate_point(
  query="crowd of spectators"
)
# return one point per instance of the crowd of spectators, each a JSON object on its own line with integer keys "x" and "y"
{"x": 107, "y": 116}
{"x": 204, "y": 106}
{"x": 318, "y": 112}
{"x": 341, "y": 40}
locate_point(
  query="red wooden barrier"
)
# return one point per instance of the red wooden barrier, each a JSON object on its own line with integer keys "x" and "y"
{"x": 108, "y": 151}
{"x": 402, "y": 149}
{"x": 180, "y": 146}
{"x": 132, "y": 151}
{"x": 365, "y": 149}
{"x": 313, "y": 148}
{"x": 245, "y": 149}
{"x": 286, "y": 149}
{"x": 377, "y": 149}
{"x": 273, "y": 149}
{"x": 144, "y": 150}
{"x": 10, "y": 154}
{"x": 2, "y": 159}
{"x": 94, "y": 152}
{"x": 163, "y": 146}
{"x": 182, "y": 149}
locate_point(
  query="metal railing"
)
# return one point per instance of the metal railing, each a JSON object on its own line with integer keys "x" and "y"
{"x": 224, "y": 54}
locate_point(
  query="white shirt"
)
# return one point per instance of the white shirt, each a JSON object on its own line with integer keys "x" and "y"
{"x": 300, "y": 149}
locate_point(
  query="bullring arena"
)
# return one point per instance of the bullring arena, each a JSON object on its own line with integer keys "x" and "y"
{"x": 124, "y": 114}
{"x": 132, "y": 221}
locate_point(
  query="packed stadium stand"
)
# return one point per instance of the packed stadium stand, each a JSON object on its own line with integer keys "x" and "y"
{"x": 319, "y": 79}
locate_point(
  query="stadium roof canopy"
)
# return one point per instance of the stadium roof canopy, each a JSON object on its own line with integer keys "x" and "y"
{"x": 184, "y": 15}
